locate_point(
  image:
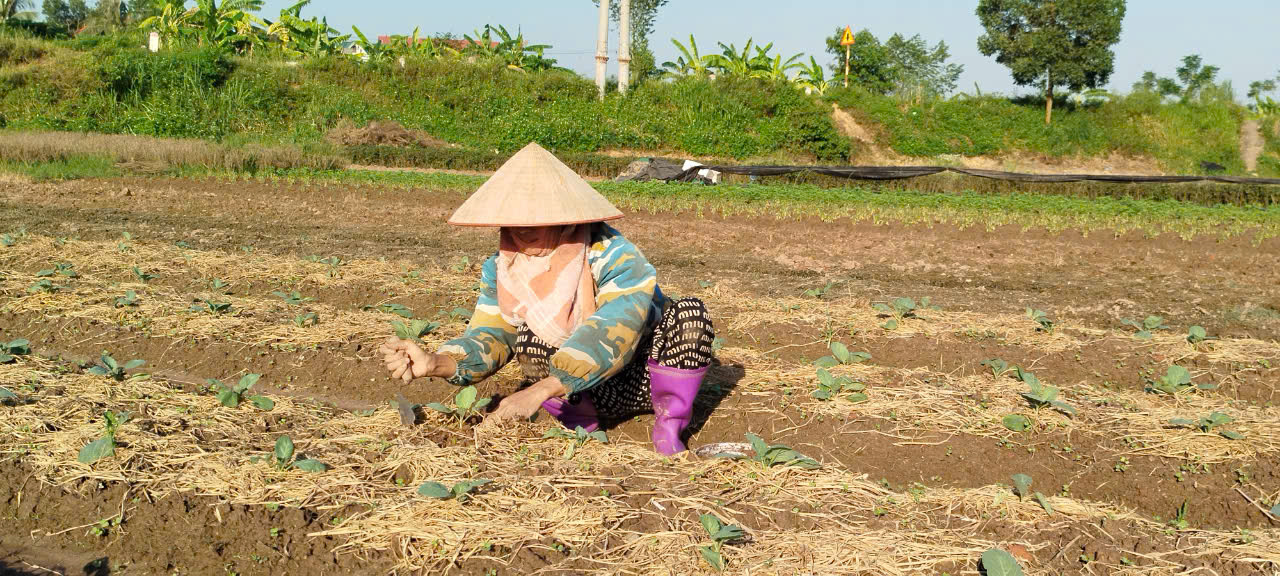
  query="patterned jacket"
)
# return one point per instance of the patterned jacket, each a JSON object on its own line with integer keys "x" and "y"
{"x": 628, "y": 305}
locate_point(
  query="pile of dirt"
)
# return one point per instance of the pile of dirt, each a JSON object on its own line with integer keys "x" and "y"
{"x": 381, "y": 133}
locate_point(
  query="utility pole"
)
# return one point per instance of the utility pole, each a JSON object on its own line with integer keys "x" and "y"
{"x": 624, "y": 46}
{"x": 602, "y": 46}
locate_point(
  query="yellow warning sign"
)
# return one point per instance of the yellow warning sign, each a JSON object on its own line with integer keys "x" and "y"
{"x": 846, "y": 39}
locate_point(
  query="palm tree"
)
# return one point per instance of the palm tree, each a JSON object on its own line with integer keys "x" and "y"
{"x": 16, "y": 10}
{"x": 690, "y": 62}
{"x": 730, "y": 62}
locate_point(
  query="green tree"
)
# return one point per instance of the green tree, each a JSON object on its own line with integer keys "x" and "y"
{"x": 1052, "y": 43}
{"x": 1150, "y": 82}
{"x": 917, "y": 69}
{"x": 868, "y": 61}
{"x": 1195, "y": 76}
{"x": 69, "y": 14}
{"x": 1195, "y": 80}
{"x": 16, "y": 10}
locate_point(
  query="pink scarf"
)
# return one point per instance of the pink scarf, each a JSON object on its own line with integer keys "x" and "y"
{"x": 545, "y": 281}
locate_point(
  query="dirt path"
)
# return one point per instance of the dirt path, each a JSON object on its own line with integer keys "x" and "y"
{"x": 1251, "y": 144}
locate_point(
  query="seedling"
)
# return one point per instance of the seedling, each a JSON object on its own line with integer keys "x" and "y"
{"x": 578, "y": 437}
{"x": 463, "y": 265}
{"x": 213, "y": 307}
{"x": 457, "y": 314}
{"x": 107, "y": 366}
{"x": 1175, "y": 380}
{"x": 465, "y": 405}
{"x": 66, "y": 269}
{"x": 334, "y": 263}
{"x": 105, "y": 445}
{"x": 143, "y": 277}
{"x": 103, "y": 527}
{"x": 770, "y": 455}
{"x": 306, "y": 319}
{"x": 820, "y": 291}
{"x": 292, "y": 298}
{"x": 1022, "y": 487}
{"x": 1039, "y": 317}
{"x": 1197, "y": 334}
{"x": 231, "y": 396}
{"x": 42, "y": 285}
{"x": 282, "y": 458}
{"x": 996, "y": 562}
{"x": 9, "y": 351}
{"x": 1208, "y": 424}
{"x": 1180, "y": 519}
{"x": 899, "y": 309}
{"x": 13, "y": 238}
{"x": 720, "y": 535}
{"x": 1042, "y": 395}
{"x": 130, "y": 298}
{"x": 840, "y": 354}
{"x": 414, "y": 329}
{"x": 218, "y": 285}
{"x": 830, "y": 386}
{"x": 1146, "y": 327}
{"x": 391, "y": 308}
{"x": 997, "y": 366}
{"x": 460, "y": 491}
{"x": 1016, "y": 422}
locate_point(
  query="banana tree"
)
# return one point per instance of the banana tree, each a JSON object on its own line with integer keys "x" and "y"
{"x": 16, "y": 10}
{"x": 497, "y": 42}
{"x": 309, "y": 37}
{"x": 229, "y": 25}
{"x": 690, "y": 62}
{"x": 173, "y": 21}
{"x": 373, "y": 51}
{"x": 731, "y": 62}
{"x": 774, "y": 68}
{"x": 813, "y": 77}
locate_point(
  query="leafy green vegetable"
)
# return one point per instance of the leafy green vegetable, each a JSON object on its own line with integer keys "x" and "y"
{"x": 770, "y": 455}
{"x": 820, "y": 291}
{"x": 830, "y": 386}
{"x": 899, "y": 309}
{"x": 1044, "y": 503}
{"x": 143, "y": 277}
{"x": 105, "y": 445}
{"x": 9, "y": 351}
{"x": 578, "y": 437}
{"x": 460, "y": 491}
{"x": 130, "y": 298}
{"x": 998, "y": 367}
{"x": 1208, "y": 424}
{"x": 1042, "y": 395}
{"x": 1146, "y": 327}
{"x": 840, "y": 354}
{"x": 1175, "y": 380}
{"x": 996, "y": 562}
{"x": 720, "y": 535}
{"x": 1039, "y": 317}
{"x": 306, "y": 319}
{"x": 391, "y": 308}
{"x": 293, "y": 298}
{"x": 465, "y": 405}
{"x": 1016, "y": 422}
{"x": 1021, "y": 485}
{"x": 43, "y": 285}
{"x": 1197, "y": 334}
{"x": 1179, "y": 520}
{"x": 414, "y": 329}
{"x": 231, "y": 396}
{"x": 283, "y": 452}
{"x": 108, "y": 367}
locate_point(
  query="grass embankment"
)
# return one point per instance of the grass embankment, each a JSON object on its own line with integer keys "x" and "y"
{"x": 113, "y": 86}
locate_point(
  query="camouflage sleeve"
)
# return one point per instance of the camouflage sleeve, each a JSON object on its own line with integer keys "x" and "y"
{"x": 488, "y": 341}
{"x": 606, "y": 342}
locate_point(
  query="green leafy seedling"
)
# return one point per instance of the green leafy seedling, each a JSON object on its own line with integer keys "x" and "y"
{"x": 830, "y": 386}
{"x": 231, "y": 396}
{"x": 899, "y": 309}
{"x": 457, "y": 314}
{"x": 1197, "y": 334}
{"x": 720, "y": 534}
{"x": 1042, "y": 395}
{"x": 997, "y": 366}
{"x": 1016, "y": 422}
{"x": 577, "y": 437}
{"x": 107, "y": 366}
{"x": 997, "y": 562}
{"x": 142, "y": 276}
{"x": 465, "y": 405}
{"x": 770, "y": 455}
{"x": 9, "y": 351}
{"x": 414, "y": 329}
{"x": 219, "y": 285}
{"x": 65, "y": 269}
{"x": 1176, "y": 379}
{"x": 293, "y": 298}
{"x": 460, "y": 491}
{"x": 820, "y": 291}
{"x": 840, "y": 354}
{"x": 43, "y": 285}
{"x": 1179, "y": 520}
{"x": 1022, "y": 485}
{"x": 306, "y": 319}
{"x": 130, "y": 298}
{"x": 105, "y": 445}
{"x": 1145, "y": 328}
{"x": 1040, "y": 318}
{"x": 282, "y": 457}
{"x": 392, "y": 308}
{"x": 213, "y": 307}
{"x": 1208, "y": 424}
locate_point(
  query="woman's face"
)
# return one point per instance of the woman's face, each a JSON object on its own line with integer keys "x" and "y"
{"x": 536, "y": 240}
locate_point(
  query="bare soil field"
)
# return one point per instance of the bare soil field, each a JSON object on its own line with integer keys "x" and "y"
{"x": 917, "y": 465}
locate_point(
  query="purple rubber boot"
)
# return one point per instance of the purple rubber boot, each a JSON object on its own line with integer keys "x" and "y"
{"x": 673, "y": 391}
{"x": 573, "y": 415}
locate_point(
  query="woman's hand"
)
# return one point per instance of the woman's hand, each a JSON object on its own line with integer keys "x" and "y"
{"x": 525, "y": 403}
{"x": 406, "y": 360}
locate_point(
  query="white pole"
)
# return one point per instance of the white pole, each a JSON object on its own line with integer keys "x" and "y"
{"x": 602, "y": 46}
{"x": 624, "y": 46}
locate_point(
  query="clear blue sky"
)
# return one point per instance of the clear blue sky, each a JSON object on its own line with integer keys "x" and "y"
{"x": 1242, "y": 37}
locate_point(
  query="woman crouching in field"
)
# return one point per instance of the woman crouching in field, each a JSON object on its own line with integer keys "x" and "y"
{"x": 576, "y": 304}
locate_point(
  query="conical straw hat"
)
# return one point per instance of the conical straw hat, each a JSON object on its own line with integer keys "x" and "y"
{"x": 534, "y": 188}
